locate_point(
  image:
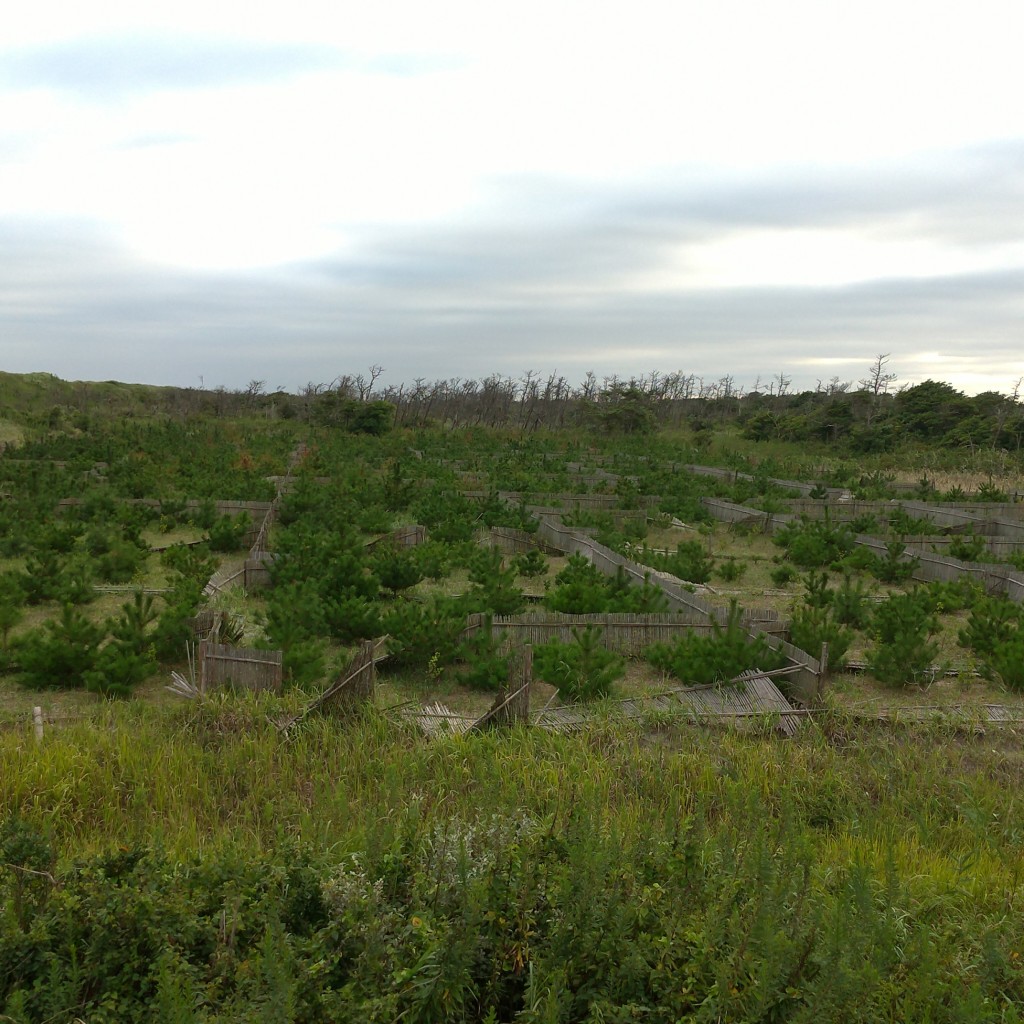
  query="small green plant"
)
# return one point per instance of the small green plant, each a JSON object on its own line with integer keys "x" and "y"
{"x": 531, "y": 563}
{"x": 993, "y": 621}
{"x": 989, "y": 492}
{"x": 731, "y": 569}
{"x": 625, "y": 595}
{"x": 968, "y": 548}
{"x": 783, "y": 574}
{"x": 11, "y": 610}
{"x": 860, "y": 559}
{"x": 433, "y": 559}
{"x": 851, "y": 603}
{"x": 690, "y": 561}
{"x": 228, "y": 534}
{"x": 485, "y": 667}
{"x": 397, "y": 569}
{"x": 1005, "y": 662}
{"x": 895, "y": 566}
{"x": 420, "y": 631}
{"x": 582, "y": 670}
{"x": 579, "y": 589}
{"x": 864, "y": 523}
{"x": 903, "y": 654}
{"x": 817, "y": 593}
{"x": 61, "y": 652}
{"x": 812, "y": 543}
{"x": 904, "y": 524}
{"x": 494, "y": 585}
{"x": 724, "y": 654}
{"x": 810, "y": 627}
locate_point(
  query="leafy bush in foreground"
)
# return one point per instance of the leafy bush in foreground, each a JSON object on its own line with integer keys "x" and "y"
{"x": 713, "y": 913}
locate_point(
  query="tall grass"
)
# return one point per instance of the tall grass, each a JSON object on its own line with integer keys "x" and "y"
{"x": 632, "y": 871}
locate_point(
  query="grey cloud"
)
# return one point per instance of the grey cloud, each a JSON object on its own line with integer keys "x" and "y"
{"x": 79, "y": 309}
{"x": 554, "y": 240}
{"x": 544, "y": 284}
{"x": 970, "y": 195}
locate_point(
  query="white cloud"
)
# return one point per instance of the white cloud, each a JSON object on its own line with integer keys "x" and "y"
{"x": 559, "y": 158}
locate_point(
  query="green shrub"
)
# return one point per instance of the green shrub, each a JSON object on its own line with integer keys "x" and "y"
{"x": 783, "y": 575}
{"x": 730, "y": 569}
{"x": 894, "y": 566}
{"x": 968, "y": 548}
{"x": 1005, "y": 662}
{"x": 60, "y": 653}
{"x": 128, "y": 657}
{"x": 433, "y": 559}
{"x": 228, "y": 534}
{"x": 904, "y": 661}
{"x": 723, "y": 655}
{"x": 627, "y": 596}
{"x": 864, "y": 523}
{"x": 851, "y": 604}
{"x": 579, "y": 589}
{"x": 860, "y": 559}
{"x": 11, "y": 599}
{"x": 485, "y": 668}
{"x": 989, "y": 492}
{"x": 993, "y": 621}
{"x": 397, "y": 569}
{"x": 422, "y": 632}
{"x": 810, "y": 627}
{"x": 350, "y": 617}
{"x": 120, "y": 562}
{"x": 689, "y": 562}
{"x": 1016, "y": 559}
{"x": 531, "y": 563}
{"x": 903, "y": 655}
{"x": 582, "y": 670}
{"x": 952, "y": 595}
{"x": 304, "y": 663}
{"x": 193, "y": 561}
{"x": 494, "y": 587}
{"x": 812, "y": 543}
{"x": 817, "y": 593}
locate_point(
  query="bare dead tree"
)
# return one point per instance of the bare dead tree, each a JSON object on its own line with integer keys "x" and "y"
{"x": 879, "y": 379}
{"x": 365, "y": 385}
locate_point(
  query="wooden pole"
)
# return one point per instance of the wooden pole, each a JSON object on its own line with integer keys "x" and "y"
{"x": 37, "y": 721}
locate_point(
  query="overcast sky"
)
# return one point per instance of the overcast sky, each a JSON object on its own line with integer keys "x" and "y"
{"x": 211, "y": 193}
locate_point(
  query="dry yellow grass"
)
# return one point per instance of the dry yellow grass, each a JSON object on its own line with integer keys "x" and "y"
{"x": 10, "y": 433}
{"x": 967, "y": 480}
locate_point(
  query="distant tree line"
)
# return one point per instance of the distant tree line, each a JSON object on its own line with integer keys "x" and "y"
{"x": 873, "y": 416}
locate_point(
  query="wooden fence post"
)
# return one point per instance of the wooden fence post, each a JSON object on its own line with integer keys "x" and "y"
{"x": 512, "y": 705}
{"x": 37, "y": 721}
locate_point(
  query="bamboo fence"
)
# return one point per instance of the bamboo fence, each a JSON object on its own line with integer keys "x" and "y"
{"x": 238, "y": 668}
